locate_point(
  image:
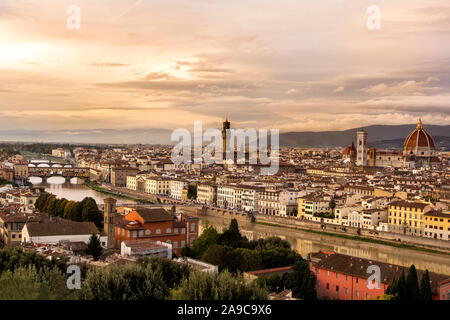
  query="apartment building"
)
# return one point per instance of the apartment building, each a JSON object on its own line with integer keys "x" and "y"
{"x": 119, "y": 175}
{"x": 158, "y": 225}
{"x": 207, "y": 193}
{"x": 437, "y": 225}
{"x": 176, "y": 188}
{"x": 157, "y": 185}
{"x": 407, "y": 217}
{"x": 310, "y": 205}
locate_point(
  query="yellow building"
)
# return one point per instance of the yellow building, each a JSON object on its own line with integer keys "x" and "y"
{"x": 207, "y": 193}
{"x": 311, "y": 204}
{"x": 157, "y": 186}
{"x": 407, "y": 217}
{"x": 437, "y": 225}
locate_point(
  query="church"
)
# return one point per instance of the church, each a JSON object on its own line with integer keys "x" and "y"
{"x": 418, "y": 151}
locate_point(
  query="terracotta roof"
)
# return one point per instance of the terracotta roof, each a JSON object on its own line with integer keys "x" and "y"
{"x": 419, "y": 138}
{"x": 154, "y": 214}
{"x": 61, "y": 227}
{"x": 355, "y": 266}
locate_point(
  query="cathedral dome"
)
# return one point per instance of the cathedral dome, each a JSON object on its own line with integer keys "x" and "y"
{"x": 419, "y": 142}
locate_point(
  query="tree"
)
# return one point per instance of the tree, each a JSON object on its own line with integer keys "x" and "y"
{"x": 225, "y": 258}
{"x": 231, "y": 237}
{"x": 425, "y": 287}
{"x": 401, "y": 288}
{"x": 90, "y": 212}
{"x": 412, "y": 285}
{"x": 218, "y": 286}
{"x": 301, "y": 283}
{"x": 208, "y": 238}
{"x": 192, "y": 192}
{"x": 332, "y": 204}
{"x": 126, "y": 282}
{"x": 94, "y": 248}
{"x": 27, "y": 283}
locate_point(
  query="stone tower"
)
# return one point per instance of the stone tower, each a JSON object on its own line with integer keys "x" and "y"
{"x": 361, "y": 156}
{"x": 110, "y": 221}
{"x": 226, "y": 125}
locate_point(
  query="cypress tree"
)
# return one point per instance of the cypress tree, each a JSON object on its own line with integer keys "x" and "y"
{"x": 412, "y": 285}
{"x": 401, "y": 287}
{"x": 94, "y": 248}
{"x": 425, "y": 287}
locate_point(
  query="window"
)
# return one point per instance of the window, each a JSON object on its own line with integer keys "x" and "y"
{"x": 357, "y": 281}
{"x": 328, "y": 273}
{"x": 346, "y": 277}
{"x": 158, "y": 231}
{"x": 175, "y": 244}
{"x": 169, "y": 242}
{"x": 328, "y": 286}
{"x": 367, "y": 296}
{"x": 183, "y": 244}
{"x": 193, "y": 227}
{"x": 357, "y": 293}
{"x": 337, "y": 288}
{"x": 337, "y": 275}
{"x": 147, "y": 232}
{"x": 168, "y": 230}
{"x": 346, "y": 290}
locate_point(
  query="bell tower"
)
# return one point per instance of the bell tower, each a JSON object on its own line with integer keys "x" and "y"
{"x": 226, "y": 126}
{"x": 361, "y": 155}
{"x": 110, "y": 217}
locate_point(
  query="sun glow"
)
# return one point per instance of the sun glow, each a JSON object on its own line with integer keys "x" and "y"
{"x": 21, "y": 53}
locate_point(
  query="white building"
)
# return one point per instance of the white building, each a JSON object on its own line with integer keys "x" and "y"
{"x": 56, "y": 229}
{"x": 176, "y": 189}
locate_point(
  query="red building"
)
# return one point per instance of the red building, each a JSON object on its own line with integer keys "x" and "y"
{"x": 159, "y": 225}
{"x": 343, "y": 277}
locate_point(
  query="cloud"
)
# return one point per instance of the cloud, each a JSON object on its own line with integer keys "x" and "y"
{"x": 339, "y": 89}
{"x": 108, "y": 64}
{"x": 156, "y": 76}
{"x": 412, "y": 87}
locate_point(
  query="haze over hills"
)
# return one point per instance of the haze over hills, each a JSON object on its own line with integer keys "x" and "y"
{"x": 380, "y": 136}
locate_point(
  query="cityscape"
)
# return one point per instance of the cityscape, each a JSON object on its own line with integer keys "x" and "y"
{"x": 201, "y": 167}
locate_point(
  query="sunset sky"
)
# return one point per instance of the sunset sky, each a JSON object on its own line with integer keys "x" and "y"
{"x": 292, "y": 65}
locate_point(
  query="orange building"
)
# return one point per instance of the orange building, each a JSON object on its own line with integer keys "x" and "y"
{"x": 343, "y": 277}
{"x": 159, "y": 225}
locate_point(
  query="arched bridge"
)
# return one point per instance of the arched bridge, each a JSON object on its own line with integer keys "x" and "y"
{"x": 47, "y": 172}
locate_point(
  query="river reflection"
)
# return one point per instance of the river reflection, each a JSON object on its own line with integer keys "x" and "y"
{"x": 71, "y": 190}
{"x": 306, "y": 242}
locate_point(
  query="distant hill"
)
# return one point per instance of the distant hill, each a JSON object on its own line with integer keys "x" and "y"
{"x": 380, "y": 136}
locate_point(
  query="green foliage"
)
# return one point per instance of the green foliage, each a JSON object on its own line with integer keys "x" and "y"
{"x": 221, "y": 286}
{"x": 208, "y": 238}
{"x": 231, "y": 237}
{"x": 230, "y": 251}
{"x": 192, "y": 192}
{"x": 86, "y": 210}
{"x": 27, "y": 283}
{"x": 94, "y": 248}
{"x": 408, "y": 289}
{"x": 12, "y": 258}
{"x": 324, "y": 215}
{"x": 3, "y": 181}
{"x": 126, "y": 282}
{"x": 171, "y": 271}
{"x": 28, "y": 275}
{"x": 412, "y": 285}
{"x": 425, "y": 287}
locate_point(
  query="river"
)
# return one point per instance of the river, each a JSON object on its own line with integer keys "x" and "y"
{"x": 303, "y": 242}
{"x": 307, "y": 242}
{"x": 72, "y": 190}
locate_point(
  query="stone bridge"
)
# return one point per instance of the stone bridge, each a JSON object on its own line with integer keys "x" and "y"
{"x": 65, "y": 172}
